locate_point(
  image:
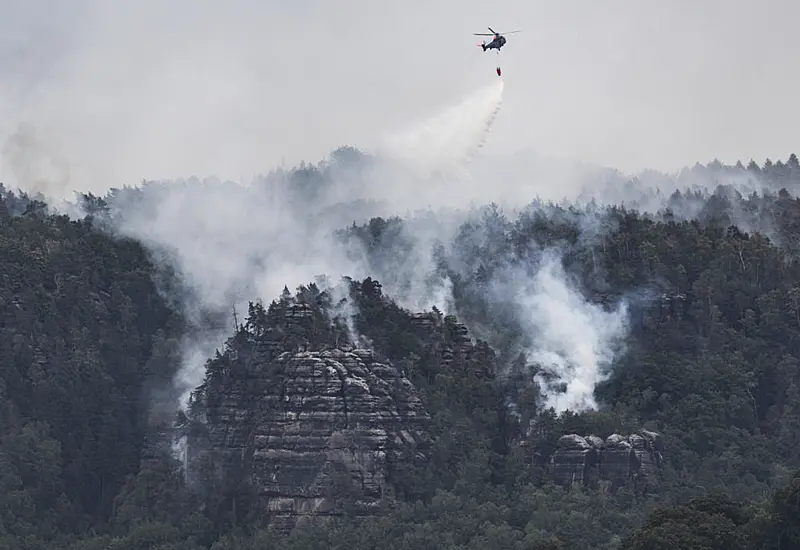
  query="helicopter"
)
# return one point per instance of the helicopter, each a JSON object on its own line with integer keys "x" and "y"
{"x": 497, "y": 42}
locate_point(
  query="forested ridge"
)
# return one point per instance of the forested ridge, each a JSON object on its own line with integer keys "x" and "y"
{"x": 90, "y": 344}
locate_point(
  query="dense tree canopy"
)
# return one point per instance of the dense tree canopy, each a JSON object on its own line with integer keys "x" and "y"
{"x": 89, "y": 346}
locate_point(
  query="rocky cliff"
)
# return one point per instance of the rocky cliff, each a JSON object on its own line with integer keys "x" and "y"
{"x": 311, "y": 426}
{"x": 634, "y": 460}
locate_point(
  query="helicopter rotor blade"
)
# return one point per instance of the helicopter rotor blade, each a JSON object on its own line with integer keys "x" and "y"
{"x": 490, "y": 28}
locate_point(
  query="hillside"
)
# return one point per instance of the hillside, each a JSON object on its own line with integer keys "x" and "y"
{"x": 598, "y": 376}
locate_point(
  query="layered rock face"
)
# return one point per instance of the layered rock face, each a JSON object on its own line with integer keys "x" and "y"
{"x": 611, "y": 463}
{"x": 310, "y": 430}
{"x": 340, "y": 422}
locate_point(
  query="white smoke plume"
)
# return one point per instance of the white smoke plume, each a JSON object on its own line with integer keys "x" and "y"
{"x": 518, "y": 295}
{"x": 230, "y": 245}
{"x": 575, "y": 342}
{"x": 343, "y": 308}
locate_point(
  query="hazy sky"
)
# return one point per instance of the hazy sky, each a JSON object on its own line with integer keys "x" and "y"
{"x": 164, "y": 88}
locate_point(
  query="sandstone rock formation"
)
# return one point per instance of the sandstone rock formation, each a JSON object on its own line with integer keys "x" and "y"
{"x": 611, "y": 463}
{"x": 294, "y": 422}
{"x": 310, "y": 430}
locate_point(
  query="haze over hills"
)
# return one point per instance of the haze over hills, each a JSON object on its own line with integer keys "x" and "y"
{"x": 431, "y": 175}
{"x": 232, "y": 243}
{"x": 446, "y": 327}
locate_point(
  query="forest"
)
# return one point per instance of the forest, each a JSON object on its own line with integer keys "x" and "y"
{"x": 90, "y": 345}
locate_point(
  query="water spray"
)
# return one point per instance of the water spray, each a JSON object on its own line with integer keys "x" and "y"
{"x": 449, "y": 140}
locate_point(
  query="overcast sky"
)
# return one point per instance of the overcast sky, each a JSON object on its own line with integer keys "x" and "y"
{"x": 164, "y": 88}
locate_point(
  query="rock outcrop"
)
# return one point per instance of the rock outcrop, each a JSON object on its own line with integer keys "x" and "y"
{"x": 617, "y": 461}
{"x": 294, "y": 422}
{"x": 310, "y": 431}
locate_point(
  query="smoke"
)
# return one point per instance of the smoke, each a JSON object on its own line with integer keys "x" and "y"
{"x": 35, "y": 163}
{"x": 575, "y": 342}
{"x": 343, "y": 308}
{"x": 111, "y": 110}
{"x": 231, "y": 244}
{"x": 515, "y": 293}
